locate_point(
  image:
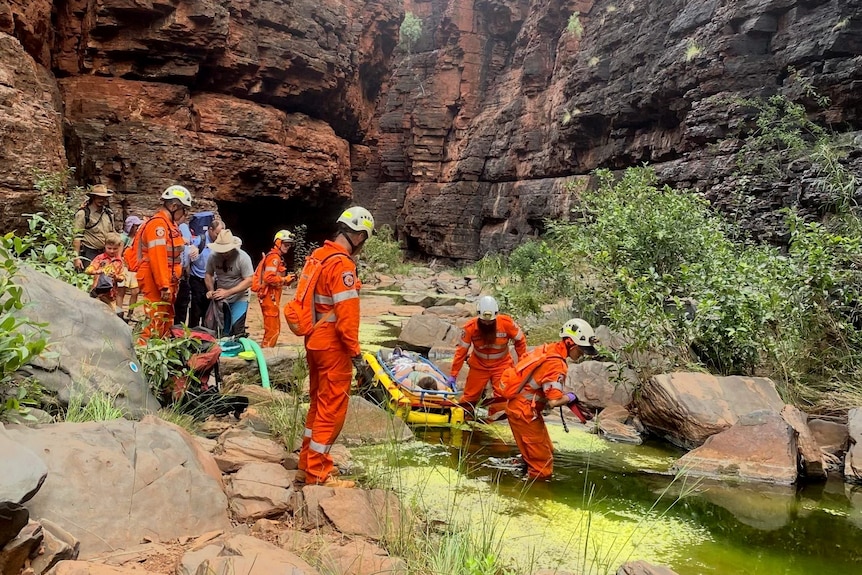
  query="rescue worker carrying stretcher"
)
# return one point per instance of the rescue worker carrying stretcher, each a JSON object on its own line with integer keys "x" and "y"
{"x": 488, "y": 335}
{"x": 162, "y": 247}
{"x": 270, "y": 279}
{"x": 536, "y": 383}
{"x": 332, "y": 348}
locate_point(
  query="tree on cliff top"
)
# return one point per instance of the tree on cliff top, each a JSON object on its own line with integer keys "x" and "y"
{"x": 410, "y": 31}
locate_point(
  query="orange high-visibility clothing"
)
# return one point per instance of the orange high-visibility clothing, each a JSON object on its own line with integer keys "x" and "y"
{"x": 329, "y": 350}
{"x": 488, "y": 360}
{"x": 524, "y": 412}
{"x": 274, "y": 279}
{"x": 162, "y": 247}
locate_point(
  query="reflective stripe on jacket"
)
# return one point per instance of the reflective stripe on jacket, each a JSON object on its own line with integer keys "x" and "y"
{"x": 336, "y": 303}
{"x": 492, "y": 354}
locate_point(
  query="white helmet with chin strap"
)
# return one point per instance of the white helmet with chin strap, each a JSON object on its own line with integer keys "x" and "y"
{"x": 487, "y": 308}
{"x": 581, "y": 333}
{"x": 357, "y": 219}
{"x": 178, "y": 193}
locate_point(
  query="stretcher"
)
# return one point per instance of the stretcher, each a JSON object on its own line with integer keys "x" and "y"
{"x": 413, "y": 405}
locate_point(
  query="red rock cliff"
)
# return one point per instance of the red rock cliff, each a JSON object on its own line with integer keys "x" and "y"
{"x": 252, "y": 104}
{"x": 499, "y": 106}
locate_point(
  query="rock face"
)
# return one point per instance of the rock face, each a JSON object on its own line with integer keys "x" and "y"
{"x": 93, "y": 347}
{"x": 151, "y": 481}
{"x": 31, "y": 122}
{"x": 686, "y": 408}
{"x": 23, "y": 471}
{"x": 497, "y": 109}
{"x": 238, "y": 100}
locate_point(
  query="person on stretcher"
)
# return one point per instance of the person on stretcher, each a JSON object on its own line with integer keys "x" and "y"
{"x": 416, "y": 375}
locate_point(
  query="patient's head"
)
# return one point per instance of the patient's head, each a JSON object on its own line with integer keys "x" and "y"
{"x": 427, "y": 383}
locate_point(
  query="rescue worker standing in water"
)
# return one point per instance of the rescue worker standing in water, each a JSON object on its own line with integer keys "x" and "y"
{"x": 273, "y": 278}
{"x": 162, "y": 246}
{"x": 536, "y": 382}
{"x": 488, "y": 335}
{"x": 332, "y": 349}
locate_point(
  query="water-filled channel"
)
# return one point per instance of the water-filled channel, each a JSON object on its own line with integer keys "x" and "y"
{"x": 609, "y": 503}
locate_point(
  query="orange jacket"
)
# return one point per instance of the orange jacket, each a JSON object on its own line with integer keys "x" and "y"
{"x": 274, "y": 274}
{"x": 336, "y": 303}
{"x": 545, "y": 383}
{"x": 162, "y": 247}
{"x": 487, "y": 356}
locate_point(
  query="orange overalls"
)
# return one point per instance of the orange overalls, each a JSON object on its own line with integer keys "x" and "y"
{"x": 162, "y": 247}
{"x": 524, "y": 412}
{"x": 329, "y": 350}
{"x": 274, "y": 279}
{"x": 488, "y": 361}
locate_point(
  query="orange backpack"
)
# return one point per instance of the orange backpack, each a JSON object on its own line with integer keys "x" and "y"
{"x": 299, "y": 312}
{"x": 514, "y": 379}
{"x": 257, "y": 283}
{"x": 134, "y": 254}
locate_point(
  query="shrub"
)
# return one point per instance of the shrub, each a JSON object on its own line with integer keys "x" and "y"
{"x": 574, "y": 26}
{"x": 382, "y": 253}
{"x": 410, "y": 31}
{"x": 99, "y": 407}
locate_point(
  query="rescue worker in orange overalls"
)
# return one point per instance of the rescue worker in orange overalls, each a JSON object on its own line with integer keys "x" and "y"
{"x": 332, "y": 349}
{"x": 536, "y": 383}
{"x": 274, "y": 278}
{"x": 489, "y": 335}
{"x": 160, "y": 269}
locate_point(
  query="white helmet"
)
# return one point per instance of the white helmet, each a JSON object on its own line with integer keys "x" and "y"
{"x": 357, "y": 219}
{"x": 487, "y": 308}
{"x": 581, "y": 333}
{"x": 178, "y": 193}
{"x": 284, "y": 235}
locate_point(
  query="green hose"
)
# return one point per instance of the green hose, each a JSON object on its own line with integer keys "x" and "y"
{"x": 249, "y": 345}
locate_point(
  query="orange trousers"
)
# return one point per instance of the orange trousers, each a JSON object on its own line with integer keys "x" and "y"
{"x": 477, "y": 379}
{"x": 330, "y": 373}
{"x": 269, "y": 307}
{"x": 160, "y": 314}
{"x": 534, "y": 443}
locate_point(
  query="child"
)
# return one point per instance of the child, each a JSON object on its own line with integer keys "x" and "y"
{"x": 108, "y": 272}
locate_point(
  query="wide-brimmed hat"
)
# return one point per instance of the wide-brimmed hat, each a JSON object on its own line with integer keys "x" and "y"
{"x": 225, "y": 242}
{"x": 100, "y": 190}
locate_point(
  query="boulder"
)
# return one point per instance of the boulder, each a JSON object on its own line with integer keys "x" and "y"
{"x": 613, "y": 424}
{"x": 255, "y": 551}
{"x": 58, "y": 545}
{"x": 422, "y": 332}
{"x": 368, "y": 424}
{"x": 686, "y": 408}
{"x": 13, "y": 518}
{"x": 643, "y": 568}
{"x": 23, "y": 471}
{"x": 90, "y": 346}
{"x": 600, "y": 384}
{"x": 263, "y": 565}
{"x": 237, "y": 447}
{"x": 191, "y": 560}
{"x": 152, "y": 482}
{"x": 24, "y": 546}
{"x": 371, "y": 514}
{"x": 760, "y": 446}
{"x": 810, "y": 458}
{"x": 260, "y": 490}
{"x": 853, "y": 460}
{"x": 359, "y": 558}
{"x": 832, "y": 437}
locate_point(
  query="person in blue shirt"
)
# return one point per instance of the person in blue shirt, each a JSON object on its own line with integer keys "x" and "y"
{"x": 181, "y": 305}
{"x": 197, "y": 271}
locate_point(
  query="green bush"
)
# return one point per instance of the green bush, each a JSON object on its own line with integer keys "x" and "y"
{"x": 410, "y": 31}
{"x": 382, "y": 254}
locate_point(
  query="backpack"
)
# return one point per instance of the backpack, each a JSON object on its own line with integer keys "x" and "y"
{"x": 299, "y": 312}
{"x": 514, "y": 379}
{"x": 86, "y": 209}
{"x": 257, "y": 284}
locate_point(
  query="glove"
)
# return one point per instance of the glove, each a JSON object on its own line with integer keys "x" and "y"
{"x": 572, "y": 398}
{"x": 358, "y": 363}
{"x": 450, "y": 381}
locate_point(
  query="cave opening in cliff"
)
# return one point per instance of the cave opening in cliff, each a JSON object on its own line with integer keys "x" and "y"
{"x": 256, "y": 221}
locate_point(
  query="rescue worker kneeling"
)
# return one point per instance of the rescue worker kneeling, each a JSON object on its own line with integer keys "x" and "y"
{"x": 536, "y": 382}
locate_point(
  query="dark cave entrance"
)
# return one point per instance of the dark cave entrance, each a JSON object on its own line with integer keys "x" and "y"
{"x": 256, "y": 221}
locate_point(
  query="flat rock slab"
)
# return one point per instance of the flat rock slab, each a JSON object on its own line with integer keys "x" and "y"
{"x": 112, "y": 484}
{"x": 372, "y": 514}
{"x": 238, "y": 447}
{"x": 23, "y": 472}
{"x": 359, "y": 558}
{"x": 260, "y": 490}
{"x": 367, "y": 423}
{"x": 254, "y": 550}
{"x": 600, "y": 384}
{"x": 85, "y": 568}
{"x": 686, "y": 408}
{"x": 832, "y": 437}
{"x": 761, "y": 446}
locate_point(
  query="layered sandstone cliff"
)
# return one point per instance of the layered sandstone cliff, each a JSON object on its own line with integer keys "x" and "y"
{"x": 499, "y": 106}
{"x": 242, "y": 101}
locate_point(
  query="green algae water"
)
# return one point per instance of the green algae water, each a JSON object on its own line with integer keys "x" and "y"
{"x": 610, "y": 503}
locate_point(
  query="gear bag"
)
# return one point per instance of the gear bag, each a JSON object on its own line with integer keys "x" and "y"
{"x": 514, "y": 379}
{"x": 134, "y": 254}
{"x": 299, "y": 312}
{"x": 257, "y": 279}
